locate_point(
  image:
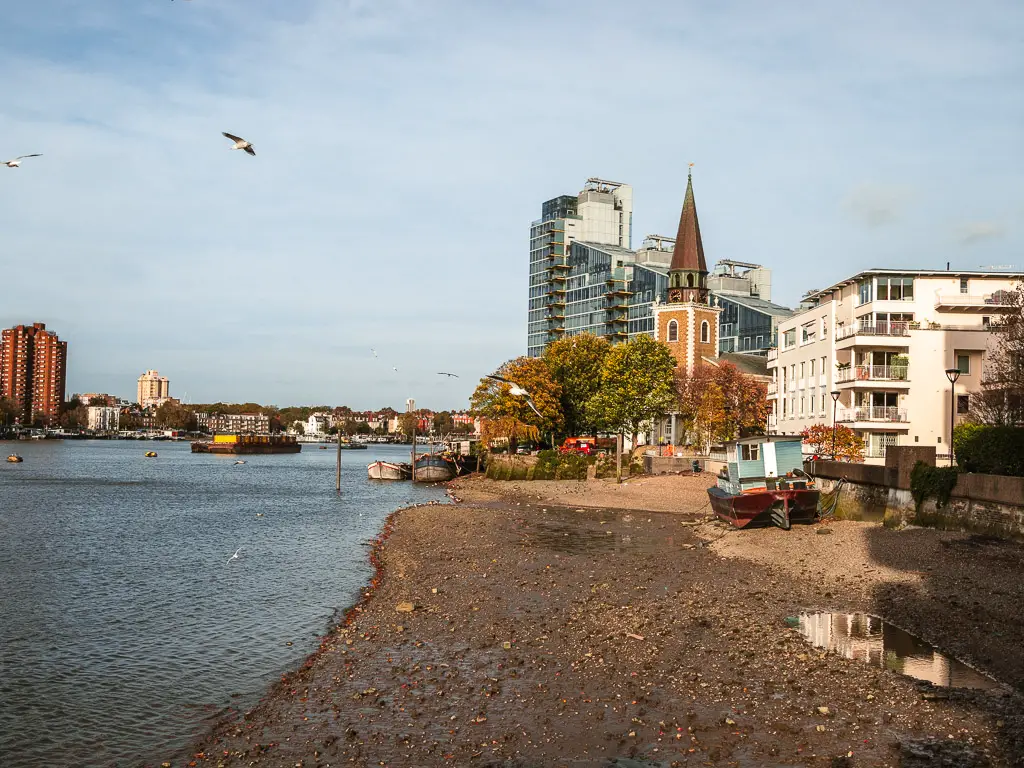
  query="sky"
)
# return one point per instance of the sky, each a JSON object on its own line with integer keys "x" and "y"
{"x": 404, "y": 146}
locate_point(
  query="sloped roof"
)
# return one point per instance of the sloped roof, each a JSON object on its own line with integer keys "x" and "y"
{"x": 756, "y": 304}
{"x": 688, "y": 252}
{"x": 752, "y": 365}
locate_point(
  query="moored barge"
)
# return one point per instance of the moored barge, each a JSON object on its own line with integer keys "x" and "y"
{"x": 763, "y": 484}
{"x": 235, "y": 443}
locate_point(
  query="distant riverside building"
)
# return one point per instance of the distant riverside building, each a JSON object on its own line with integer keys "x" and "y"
{"x": 153, "y": 389}
{"x": 94, "y": 398}
{"x": 104, "y": 418}
{"x": 242, "y": 423}
{"x": 33, "y": 370}
{"x": 883, "y": 340}
{"x": 601, "y": 215}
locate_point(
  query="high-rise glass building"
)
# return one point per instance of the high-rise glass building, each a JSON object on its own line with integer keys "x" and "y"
{"x": 601, "y": 214}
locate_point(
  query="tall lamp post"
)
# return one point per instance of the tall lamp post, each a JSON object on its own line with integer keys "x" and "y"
{"x": 952, "y": 374}
{"x": 835, "y": 402}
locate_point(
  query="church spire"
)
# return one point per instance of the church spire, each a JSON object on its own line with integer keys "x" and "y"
{"x": 687, "y": 275}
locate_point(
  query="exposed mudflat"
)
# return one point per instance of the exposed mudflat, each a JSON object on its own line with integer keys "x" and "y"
{"x": 509, "y": 630}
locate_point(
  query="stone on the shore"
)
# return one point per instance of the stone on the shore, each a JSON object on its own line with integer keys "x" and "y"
{"x": 405, "y": 607}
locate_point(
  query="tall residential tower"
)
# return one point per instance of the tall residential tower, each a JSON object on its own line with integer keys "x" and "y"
{"x": 602, "y": 213}
{"x": 153, "y": 389}
{"x": 33, "y": 369}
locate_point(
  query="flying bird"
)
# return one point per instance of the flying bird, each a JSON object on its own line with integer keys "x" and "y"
{"x": 374, "y": 352}
{"x": 445, "y": 373}
{"x": 235, "y": 556}
{"x": 394, "y": 369}
{"x": 240, "y": 143}
{"x": 516, "y": 391}
{"x": 17, "y": 161}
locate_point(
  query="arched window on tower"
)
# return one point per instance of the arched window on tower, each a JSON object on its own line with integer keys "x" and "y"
{"x": 689, "y": 280}
{"x": 705, "y": 332}
{"x": 673, "y": 330}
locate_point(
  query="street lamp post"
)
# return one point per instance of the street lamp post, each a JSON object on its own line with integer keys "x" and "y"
{"x": 952, "y": 374}
{"x": 835, "y": 402}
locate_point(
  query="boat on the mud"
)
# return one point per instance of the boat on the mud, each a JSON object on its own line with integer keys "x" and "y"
{"x": 433, "y": 468}
{"x": 234, "y": 443}
{"x": 389, "y": 470}
{"x": 15, "y": 458}
{"x": 764, "y": 483}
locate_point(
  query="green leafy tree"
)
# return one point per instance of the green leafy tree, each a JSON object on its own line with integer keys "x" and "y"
{"x": 74, "y": 415}
{"x": 443, "y": 423}
{"x": 494, "y": 400}
{"x": 9, "y": 412}
{"x": 637, "y": 387}
{"x": 576, "y": 363}
{"x": 172, "y": 415}
{"x": 849, "y": 446}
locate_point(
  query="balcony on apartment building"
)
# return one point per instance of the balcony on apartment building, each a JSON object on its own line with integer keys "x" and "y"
{"x": 773, "y": 353}
{"x": 881, "y": 333}
{"x": 894, "y": 375}
{"x": 872, "y": 413}
{"x": 1000, "y": 301}
{"x": 773, "y": 389}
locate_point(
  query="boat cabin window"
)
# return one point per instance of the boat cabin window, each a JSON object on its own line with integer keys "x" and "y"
{"x": 750, "y": 452}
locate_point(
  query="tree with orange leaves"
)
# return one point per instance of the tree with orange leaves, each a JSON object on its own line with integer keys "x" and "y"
{"x": 717, "y": 401}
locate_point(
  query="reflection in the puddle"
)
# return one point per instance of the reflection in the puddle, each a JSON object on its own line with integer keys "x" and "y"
{"x": 869, "y": 639}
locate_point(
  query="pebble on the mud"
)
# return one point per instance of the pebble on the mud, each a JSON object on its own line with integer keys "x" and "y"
{"x": 405, "y": 607}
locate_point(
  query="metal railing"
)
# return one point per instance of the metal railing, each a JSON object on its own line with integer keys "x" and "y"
{"x": 773, "y": 388}
{"x": 871, "y": 373}
{"x": 972, "y": 300}
{"x": 872, "y": 413}
{"x": 880, "y": 328}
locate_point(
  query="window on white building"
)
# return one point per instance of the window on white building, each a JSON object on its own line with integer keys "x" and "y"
{"x": 895, "y": 288}
{"x": 802, "y": 370}
{"x": 812, "y": 366}
{"x": 963, "y": 403}
{"x": 963, "y": 363}
{"x": 964, "y": 285}
{"x": 864, "y": 291}
{"x": 789, "y": 339}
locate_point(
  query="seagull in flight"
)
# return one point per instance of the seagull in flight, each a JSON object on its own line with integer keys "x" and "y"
{"x": 16, "y": 162}
{"x": 516, "y": 391}
{"x": 240, "y": 143}
{"x": 445, "y": 373}
{"x": 374, "y": 351}
{"x": 394, "y": 369}
{"x": 236, "y": 555}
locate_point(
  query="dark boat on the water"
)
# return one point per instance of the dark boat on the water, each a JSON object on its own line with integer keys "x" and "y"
{"x": 763, "y": 483}
{"x": 234, "y": 443}
{"x": 433, "y": 468}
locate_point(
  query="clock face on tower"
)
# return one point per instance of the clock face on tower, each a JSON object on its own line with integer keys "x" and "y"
{"x": 675, "y": 294}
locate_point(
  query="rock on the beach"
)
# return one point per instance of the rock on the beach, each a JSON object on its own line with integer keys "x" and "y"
{"x": 405, "y": 607}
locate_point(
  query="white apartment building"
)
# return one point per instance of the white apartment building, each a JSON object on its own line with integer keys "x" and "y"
{"x": 883, "y": 340}
{"x": 153, "y": 389}
{"x": 103, "y": 418}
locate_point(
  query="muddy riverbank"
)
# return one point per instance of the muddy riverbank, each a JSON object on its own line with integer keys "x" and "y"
{"x": 515, "y": 631}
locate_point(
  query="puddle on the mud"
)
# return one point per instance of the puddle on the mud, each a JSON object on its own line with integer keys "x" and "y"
{"x": 874, "y": 641}
{"x": 565, "y": 537}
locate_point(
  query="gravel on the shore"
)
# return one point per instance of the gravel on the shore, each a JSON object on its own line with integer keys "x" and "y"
{"x": 510, "y": 631}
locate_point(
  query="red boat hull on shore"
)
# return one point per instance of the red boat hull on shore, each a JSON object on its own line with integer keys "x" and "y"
{"x": 759, "y": 508}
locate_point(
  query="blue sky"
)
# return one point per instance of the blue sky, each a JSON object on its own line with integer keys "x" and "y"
{"x": 404, "y": 146}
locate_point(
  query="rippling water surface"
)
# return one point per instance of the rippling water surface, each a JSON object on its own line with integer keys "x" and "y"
{"x": 123, "y": 627}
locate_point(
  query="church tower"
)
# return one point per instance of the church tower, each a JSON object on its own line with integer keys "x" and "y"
{"x": 688, "y": 323}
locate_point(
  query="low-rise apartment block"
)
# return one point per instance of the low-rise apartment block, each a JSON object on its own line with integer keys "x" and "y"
{"x": 241, "y": 423}
{"x": 883, "y": 340}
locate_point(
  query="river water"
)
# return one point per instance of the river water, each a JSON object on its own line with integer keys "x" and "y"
{"x": 124, "y": 628}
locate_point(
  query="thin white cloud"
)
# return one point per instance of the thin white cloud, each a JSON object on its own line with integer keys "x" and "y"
{"x": 876, "y": 205}
{"x": 979, "y": 231}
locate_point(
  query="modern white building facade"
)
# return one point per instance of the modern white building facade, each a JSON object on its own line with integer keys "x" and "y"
{"x": 883, "y": 340}
{"x": 103, "y": 418}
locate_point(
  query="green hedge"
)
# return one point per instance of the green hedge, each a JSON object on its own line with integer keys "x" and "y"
{"x": 927, "y": 481}
{"x": 989, "y": 450}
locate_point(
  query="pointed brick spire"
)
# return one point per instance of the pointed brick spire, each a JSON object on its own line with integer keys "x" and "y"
{"x": 688, "y": 253}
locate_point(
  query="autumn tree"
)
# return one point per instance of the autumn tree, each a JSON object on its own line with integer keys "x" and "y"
{"x": 9, "y": 412}
{"x": 74, "y": 415}
{"x": 636, "y": 387}
{"x": 1001, "y": 399}
{"x": 494, "y": 399}
{"x": 849, "y": 446}
{"x": 576, "y": 363}
{"x": 718, "y": 401}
